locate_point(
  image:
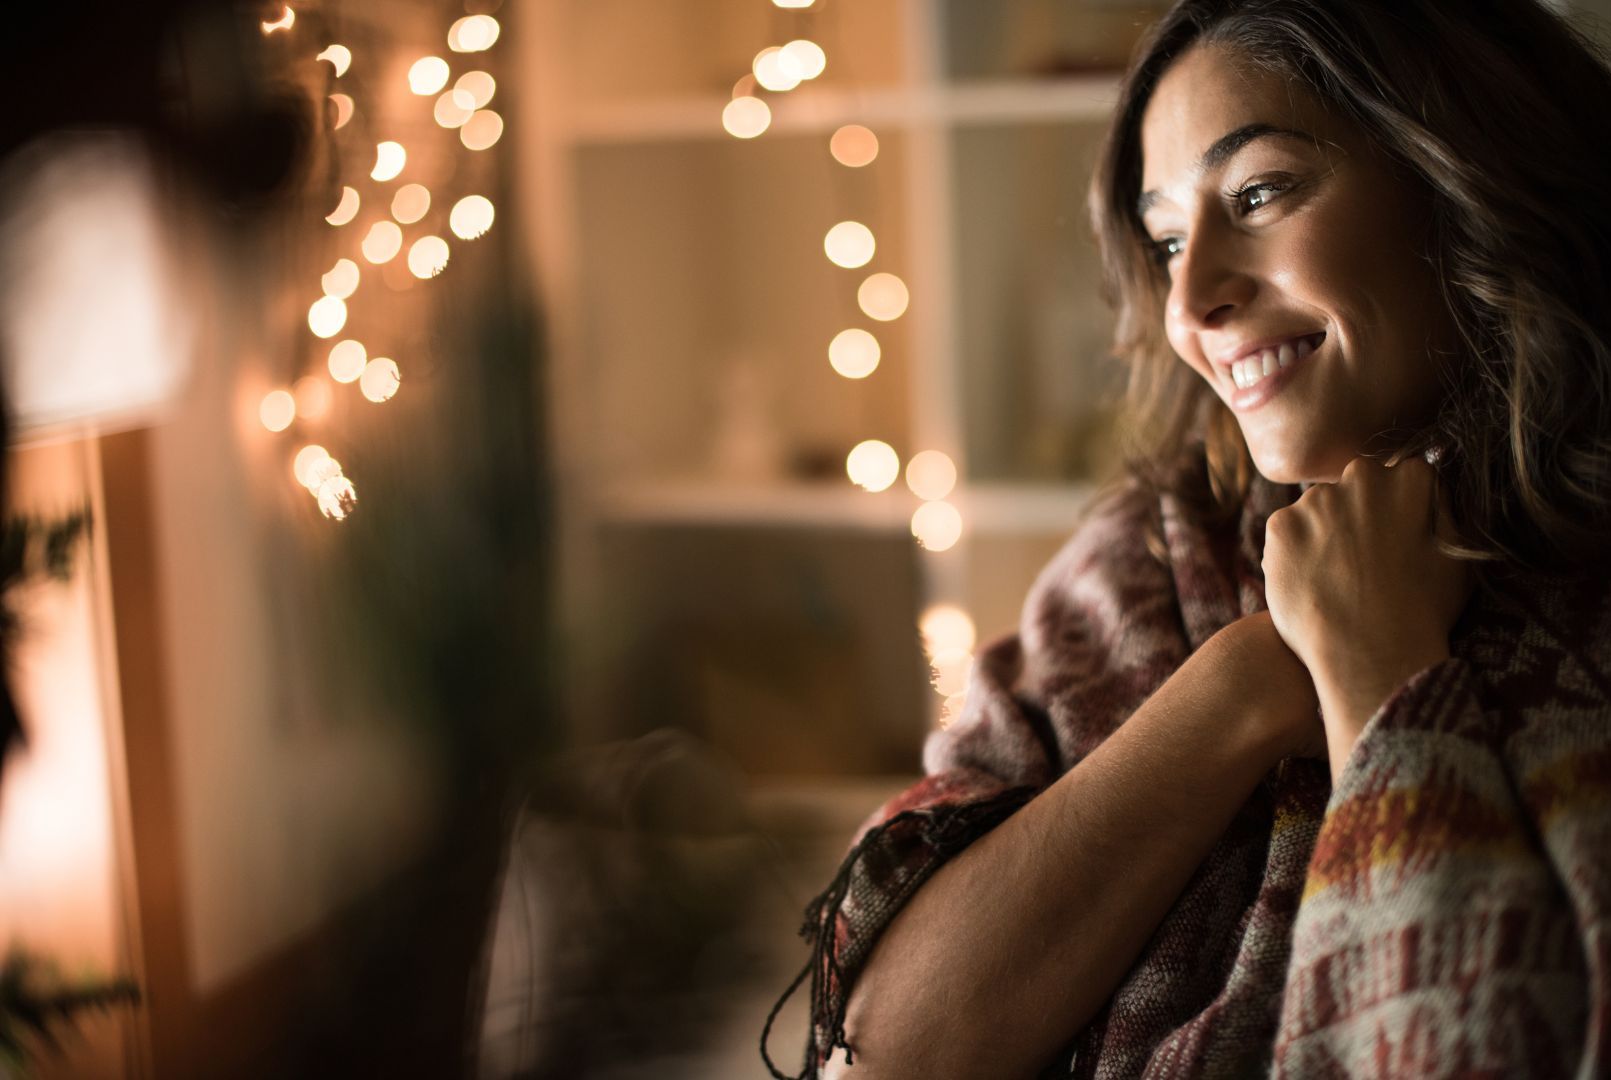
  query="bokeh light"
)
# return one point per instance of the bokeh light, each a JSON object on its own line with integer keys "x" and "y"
{"x": 306, "y": 461}
{"x": 344, "y": 110}
{"x": 313, "y": 397}
{"x": 286, "y": 20}
{"x": 471, "y": 217}
{"x": 947, "y": 628}
{"x": 854, "y": 353}
{"x": 883, "y": 297}
{"x": 277, "y": 410}
{"x": 937, "y": 525}
{"x": 453, "y": 108}
{"x": 428, "y": 257}
{"x": 428, "y": 75}
{"x": 746, "y": 117}
{"x": 411, "y": 203}
{"x": 483, "y": 129}
{"x": 776, "y": 70}
{"x": 853, "y": 145}
{"x": 338, "y": 57}
{"x": 849, "y": 244}
{"x": 950, "y": 670}
{"x": 808, "y": 57}
{"x": 873, "y": 465}
{"x": 342, "y": 279}
{"x": 337, "y": 497}
{"x": 390, "y": 157}
{"x": 380, "y": 379}
{"x": 383, "y": 241}
{"x": 793, "y": 5}
{"x": 327, "y": 316}
{"x": 346, "y": 209}
{"x": 347, "y": 359}
{"x": 473, "y": 33}
{"x": 479, "y": 85}
{"x": 931, "y": 474}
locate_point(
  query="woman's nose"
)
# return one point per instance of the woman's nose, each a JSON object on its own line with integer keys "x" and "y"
{"x": 1210, "y": 282}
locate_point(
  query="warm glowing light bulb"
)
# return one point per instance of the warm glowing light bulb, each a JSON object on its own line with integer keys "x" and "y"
{"x": 337, "y": 497}
{"x": 380, "y": 379}
{"x": 454, "y": 108}
{"x": 286, "y": 20}
{"x": 327, "y": 316}
{"x": 428, "y": 257}
{"x": 484, "y": 128}
{"x": 342, "y": 279}
{"x": 883, "y": 297}
{"x": 390, "y": 157}
{"x": 854, "y": 353}
{"x": 937, "y": 525}
{"x": 931, "y": 475}
{"x": 428, "y": 75}
{"x": 347, "y": 359}
{"x": 411, "y": 203}
{"x": 776, "y": 70}
{"x": 307, "y": 460}
{"x": 346, "y": 209}
{"x": 947, "y": 628}
{"x": 808, "y": 57}
{"x": 277, "y": 410}
{"x": 853, "y": 145}
{"x": 473, "y": 33}
{"x": 313, "y": 397}
{"x": 338, "y": 57}
{"x": 849, "y": 244}
{"x": 746, "y": 117}
{"x": 479, "y": 85}
{"x": 471, "y": 217}
{"x": 344, "y": 110}
{"x": 873, "y": 465}
{"x": 383, "y": 241}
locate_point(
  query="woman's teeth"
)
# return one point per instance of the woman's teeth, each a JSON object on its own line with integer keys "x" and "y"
{"x": 1261, "y": 365}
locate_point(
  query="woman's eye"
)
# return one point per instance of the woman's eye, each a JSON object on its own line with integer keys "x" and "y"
{"x": 1255, "y": 196}
{"x": 1167, "y": 248}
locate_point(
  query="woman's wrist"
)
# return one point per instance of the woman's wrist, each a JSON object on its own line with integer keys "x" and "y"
{"x": 1276, "y": 687}
{"x": 1351, "y": 688}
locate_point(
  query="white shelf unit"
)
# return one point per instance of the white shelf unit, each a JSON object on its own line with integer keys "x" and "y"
{"x": 671, "y": 254}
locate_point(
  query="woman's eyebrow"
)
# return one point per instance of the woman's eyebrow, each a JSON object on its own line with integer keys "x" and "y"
{"x": 1222, "y": 150}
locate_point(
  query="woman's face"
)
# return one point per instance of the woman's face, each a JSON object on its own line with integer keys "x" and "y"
{"x": 1291, "y": 249}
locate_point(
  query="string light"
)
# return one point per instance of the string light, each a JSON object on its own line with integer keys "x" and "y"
{"x": 344, "y": 110}
{"x": 849, "y": 244}
{"x": 808, "y": 57}
{"x": 484, "y": 128}
{"x": 428, "y": 257}
{"x": 277, "y": 410}
{"x": 342, "y": 279}
{"x": 380, "y": 379}
{"x": 346, "y": 209}
{"x": 937, "y": 525}
{"x": 931, "y": 475}
{"x": 453, "y": 108}
{"x": 853, "y": 146}
{"x": 390, "y": 157}
{"x": 412, "y": 202}
{"x": 313, "y": 397}
{"x": 382, "y": 243}
{"x": 854, "y": 353}
{"x": 473, "y": 33}
{"x": 338, "y": 57}
{"x": 479, "y": 85}
{"x": 347, "y": 359}
{"x": 873, "y": 465}
{"x": 428, "y": 75}
{"x": 776, "y": 70}
{"x": 284, "y": 22}
{"x": 883, "y": 297}
{"x": 327, "y": 316}
{"x": 746, "y": 117}
{"x": 471, "y": 217}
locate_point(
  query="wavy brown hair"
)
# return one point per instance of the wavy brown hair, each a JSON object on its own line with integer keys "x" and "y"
{"x": 1503, "y": 112}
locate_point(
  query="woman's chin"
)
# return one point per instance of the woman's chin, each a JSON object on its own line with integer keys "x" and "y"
{"x": 1290, "y": 468}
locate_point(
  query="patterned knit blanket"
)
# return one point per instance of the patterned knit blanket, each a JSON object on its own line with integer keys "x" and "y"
{"x": 1444, "y": 911}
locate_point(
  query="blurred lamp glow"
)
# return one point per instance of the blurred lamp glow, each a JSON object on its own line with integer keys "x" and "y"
{"x": 883, "y": 297}
{"x": 327, "y": 316}
{"x": 931, "y": 475}
{"x": 853, "y": 145}
{"x": 346, "y": 209}
{"x": 776, "y": 70}
{"x": 284, "y": 22}
{"x": 342, "y": 279}
{"x": 471, "y": 217}
{"x": 792, "y": 5}
{"x": 947, "y": 628}
{"x": 338, "y": 57}
{"x": 337, "y": 497}
{"x": 808, "y": 57}
{"x": 306, "y": 461}
{"x": 854, "y": 353}
{"x": 873, "y": 465}
{"x": 746, "y": 117}
{"x": 343, "y": 105}
{"x": 411, "y": 203}
{"x": 382, "y": 243}
{"x": 380, "y": 379}
{"x": 474, "y": 33}
{"x": 951, "y": 671}
{"x": 428, "y": 257}
{"x": 849, "y": 244}
{"x": 428, "y": 75}
{"x": 390, "y": 157}
{"x": 479, "y": 85}
{"x": 313, "y": 396}
{"x": 937, "y": 525}
{"x": 484, "y": 128}
{"x": 347, "y": 359}
{"x": 277, "y": 410}
{"x": 454, "y": 108}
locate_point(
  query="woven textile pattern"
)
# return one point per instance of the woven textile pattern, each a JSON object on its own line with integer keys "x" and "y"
{"x": 1444, "y": 911}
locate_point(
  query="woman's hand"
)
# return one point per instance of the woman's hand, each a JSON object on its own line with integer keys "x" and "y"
{"x": 1358, "y": 590}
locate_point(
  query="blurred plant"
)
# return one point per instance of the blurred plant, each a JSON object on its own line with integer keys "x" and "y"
{"x": 35, "y": 1001}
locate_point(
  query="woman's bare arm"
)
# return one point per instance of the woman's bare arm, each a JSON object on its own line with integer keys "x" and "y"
{"x": 1013, "y": 945}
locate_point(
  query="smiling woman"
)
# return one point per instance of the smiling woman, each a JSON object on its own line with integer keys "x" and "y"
{"x": 1300, "y": 761}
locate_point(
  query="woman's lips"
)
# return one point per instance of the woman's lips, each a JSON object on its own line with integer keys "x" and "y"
{"x": 1261, "y": 375}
